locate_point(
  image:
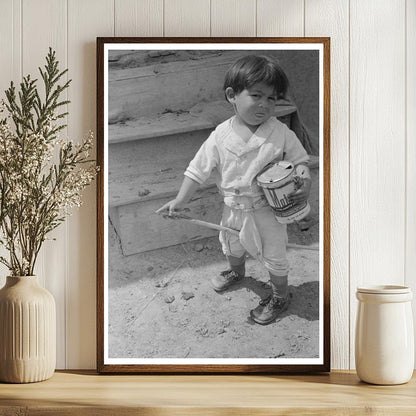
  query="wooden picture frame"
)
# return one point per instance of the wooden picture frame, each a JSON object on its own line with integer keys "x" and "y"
{"x": 158, "y": 99}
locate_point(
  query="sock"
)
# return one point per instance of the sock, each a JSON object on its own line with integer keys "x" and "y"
{"x": 238, "y": 264}
{"x": 279, "y": 285}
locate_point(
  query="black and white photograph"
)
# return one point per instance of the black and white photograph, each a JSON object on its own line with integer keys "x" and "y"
{"x": 214, "y": 205}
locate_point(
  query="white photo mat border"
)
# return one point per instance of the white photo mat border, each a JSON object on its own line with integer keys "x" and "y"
{"x": 217, "y": 361}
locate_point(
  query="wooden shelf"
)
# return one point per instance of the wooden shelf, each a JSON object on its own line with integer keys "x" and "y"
{"x": 86, "y": 393}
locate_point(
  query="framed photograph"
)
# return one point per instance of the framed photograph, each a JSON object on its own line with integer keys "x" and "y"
{"x": 213, "y": 230}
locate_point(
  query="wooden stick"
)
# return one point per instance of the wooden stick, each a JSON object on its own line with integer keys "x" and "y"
{"x": 178, "y": 216}
{"x": 212, "y": 225}
{"x": 232, "y": 231}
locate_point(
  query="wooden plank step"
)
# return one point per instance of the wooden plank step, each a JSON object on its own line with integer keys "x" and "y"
{"x": 137, "y": 92}
{"x": 148, "y": 187}
{"x": 140, "y": 229}
{"x": 160, "y": 182}
{"x": 159, "y": 67}
{"x": 164, "y": 125}
{"x": 204, "y": 115}
{"x": 139, "y": 170}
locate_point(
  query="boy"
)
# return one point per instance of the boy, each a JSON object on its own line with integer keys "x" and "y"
{"x": 236, "y": 152}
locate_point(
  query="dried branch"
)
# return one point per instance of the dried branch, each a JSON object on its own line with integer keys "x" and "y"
{"x": 37, "y": 194}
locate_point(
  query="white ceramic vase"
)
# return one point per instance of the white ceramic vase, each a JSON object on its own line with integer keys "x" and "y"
{"x": 27, "y": 331}
{"x": 384, "y": 340}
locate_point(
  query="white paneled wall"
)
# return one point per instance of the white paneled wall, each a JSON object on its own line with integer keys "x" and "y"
{"x": 373, "y": 132}
{"x": 410, "y": 113}
{"x": 377, "y": 144}
{"x": 331, "y": 18}
{"x": 86, "y": 21}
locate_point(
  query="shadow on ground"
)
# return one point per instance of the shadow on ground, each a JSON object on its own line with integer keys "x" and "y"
{"x": 304, "y": 299}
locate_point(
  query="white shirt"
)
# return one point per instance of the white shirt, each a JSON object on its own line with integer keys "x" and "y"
{"x": 236, "y": 163}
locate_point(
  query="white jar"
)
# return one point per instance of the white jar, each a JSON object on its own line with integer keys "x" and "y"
{"x": 384, "y": 337}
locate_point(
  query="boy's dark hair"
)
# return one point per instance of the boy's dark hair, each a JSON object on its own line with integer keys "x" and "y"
{"x": 252, "y": 69}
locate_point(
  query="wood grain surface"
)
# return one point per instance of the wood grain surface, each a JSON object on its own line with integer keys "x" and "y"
{"x": 410, "y": 261}
{"x": 233, "y": 18}
{"x": 85, "y": 393}
{"x": 85, "y": 18}
{"x": 187, "y": 18}
{"x": 280, "y": 18}
{"x": 138, "y": 17}
{"x": 377, "y": 143}
{"x": 329, "y": 18}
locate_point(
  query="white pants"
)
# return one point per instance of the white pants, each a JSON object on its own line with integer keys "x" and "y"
{"x": 260, "y": 234}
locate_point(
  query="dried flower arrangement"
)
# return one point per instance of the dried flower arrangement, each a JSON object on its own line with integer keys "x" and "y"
{"x": 41, "y": 175}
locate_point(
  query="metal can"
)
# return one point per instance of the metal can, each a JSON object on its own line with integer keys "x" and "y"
{"x": 277, "y": 182}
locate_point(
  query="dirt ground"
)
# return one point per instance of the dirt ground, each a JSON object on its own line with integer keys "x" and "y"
{"x": 162, "y": 305}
